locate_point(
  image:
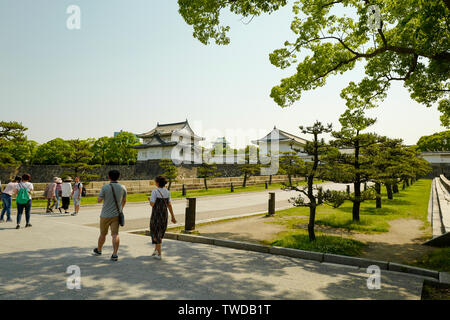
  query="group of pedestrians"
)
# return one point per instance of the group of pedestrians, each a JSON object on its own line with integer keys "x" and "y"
{"x": 22, "y": 188}
{"x": 114, "y": 198}
{"x": 112, "y": 195}
{"x": 58, "y": 190}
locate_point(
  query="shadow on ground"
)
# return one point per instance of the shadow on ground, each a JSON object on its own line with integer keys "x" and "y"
{"x": 190, "y": 271}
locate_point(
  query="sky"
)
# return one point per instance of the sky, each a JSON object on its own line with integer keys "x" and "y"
{"x": 135, "y": 63}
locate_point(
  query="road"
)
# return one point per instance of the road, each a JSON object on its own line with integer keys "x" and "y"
{"x": 208, "y": 208}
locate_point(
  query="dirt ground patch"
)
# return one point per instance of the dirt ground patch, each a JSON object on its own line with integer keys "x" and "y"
{"x": 403, "y": 242}
{"x": 253, "y": 229}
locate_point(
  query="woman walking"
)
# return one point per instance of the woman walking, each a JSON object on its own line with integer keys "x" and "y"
{"x": 66, "y": 192}
{"x": 160, "y": 202}
{"x": 24, "y": 191}
{"x": 58, "y": 194}
{"x": 7, "y": 194}
{"x": 50, "y": 194}
{"x": 76, "y": 195}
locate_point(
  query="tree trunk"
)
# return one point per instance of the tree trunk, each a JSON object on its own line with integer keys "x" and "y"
{"x": 170, "y": 184}
{"x": 378, "y": 195}
{"x": 245, "y": 181}
{"x": 389, "y": 191}
{"x": 357, "y": 201}
{"x": 270, "y": 179}
{"x": 290, "y": 180}
{"x": 404, "y": 185}
{"x": 395, "y": 188}
{"x": 312, "y": 219}
{"x": 206, "y": 183}
{"x": 407, "y": 182}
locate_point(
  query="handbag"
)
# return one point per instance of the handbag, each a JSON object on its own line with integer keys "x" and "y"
{"x": 121, "y": 216}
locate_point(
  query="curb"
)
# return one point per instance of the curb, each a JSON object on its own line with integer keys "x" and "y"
{"x": 441, "y": 277}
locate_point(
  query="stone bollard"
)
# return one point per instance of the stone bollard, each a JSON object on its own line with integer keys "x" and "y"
{"x": 189, "y": 220}
{"x": 271, "y": 210}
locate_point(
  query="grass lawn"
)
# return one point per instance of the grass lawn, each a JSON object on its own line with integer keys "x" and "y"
{"x": 409, "y": 203}
{"x": 328, "y": 244}
{"x": 438, "y": 259}
{"x": 142, "y": 197}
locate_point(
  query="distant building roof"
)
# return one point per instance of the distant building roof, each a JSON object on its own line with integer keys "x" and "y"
{"x": 282, "y": 136}
{"x": 168, "y": 129}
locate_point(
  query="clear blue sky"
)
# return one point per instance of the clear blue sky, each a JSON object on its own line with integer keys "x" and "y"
{"x": 135, "y": 63}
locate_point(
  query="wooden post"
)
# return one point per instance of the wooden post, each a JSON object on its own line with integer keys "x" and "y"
{"x": 271, "y": 204}
{"x": 189, "y": 224}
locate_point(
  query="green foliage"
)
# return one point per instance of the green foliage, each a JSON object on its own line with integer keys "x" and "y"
{"x": 78, "y": 157}
{"x": 291, "y": 165}
{"x": 323, "y": 243}
{"x": 12, "y": 137}
{"x": 439, "y": 259}
{"x": 52, "y": 152}
{"x": 170, "y": 170}
{"x": 119, "y": 149}
{"x": 410, "y": 45}
{"x": 439, "y": 141}
{"x": 207, "y": 171}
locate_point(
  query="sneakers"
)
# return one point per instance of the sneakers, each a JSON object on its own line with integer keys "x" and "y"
{"x": 114, "y": 257}
{"x": 74, "y": 214}
{"x": 28, "y": 225}
{"x": 60, "y": 211}
{"x": 154, "y": 253}
{"x": 97, "y": 252}
{"x": 157, "y": 256}
{"x": 18, "y": 226}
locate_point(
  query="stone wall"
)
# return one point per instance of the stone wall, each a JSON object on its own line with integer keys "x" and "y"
{"x": 143, "y": 170}
{"x": 146, "y": 186}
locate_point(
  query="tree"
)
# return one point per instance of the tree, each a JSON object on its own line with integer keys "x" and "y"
{"x": 12, "y": 134}
{"x": 170, "y": 170}
{"x": 120, "y": 149}
{"x": 52, "y": 152}
{"x": 291, "y": 165}
{"x": 388, "y": 164}
{"x": 100, "y": 150}
{"x": 405, "y": 41}
{"x": 439, "y": 141}
{"x": 354, "y": 167}
{"x": 207, "y": 171}
{"x": 316, "y": 148}
{"x": 78, "y": 157}
{"x": 251, "y": 165}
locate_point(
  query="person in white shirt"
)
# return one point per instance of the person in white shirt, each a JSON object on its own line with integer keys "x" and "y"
{"x": 7, "y": 194}
{"x": 66, "y": 193}
{"x": 24, "y": 184}
{"x": 160, "y": 202}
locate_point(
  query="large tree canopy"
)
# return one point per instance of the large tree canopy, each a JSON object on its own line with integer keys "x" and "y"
{"x": 409, "y": 43}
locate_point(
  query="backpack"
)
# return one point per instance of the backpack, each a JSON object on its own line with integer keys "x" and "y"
{"x": 83, "y": 190}
{"x": 23, "y": 197}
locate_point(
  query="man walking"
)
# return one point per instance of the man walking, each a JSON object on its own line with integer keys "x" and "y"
{"x": 113, "y": 196}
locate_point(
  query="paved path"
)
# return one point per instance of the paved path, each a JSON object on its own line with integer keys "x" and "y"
{"x": 33, "y": 264}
